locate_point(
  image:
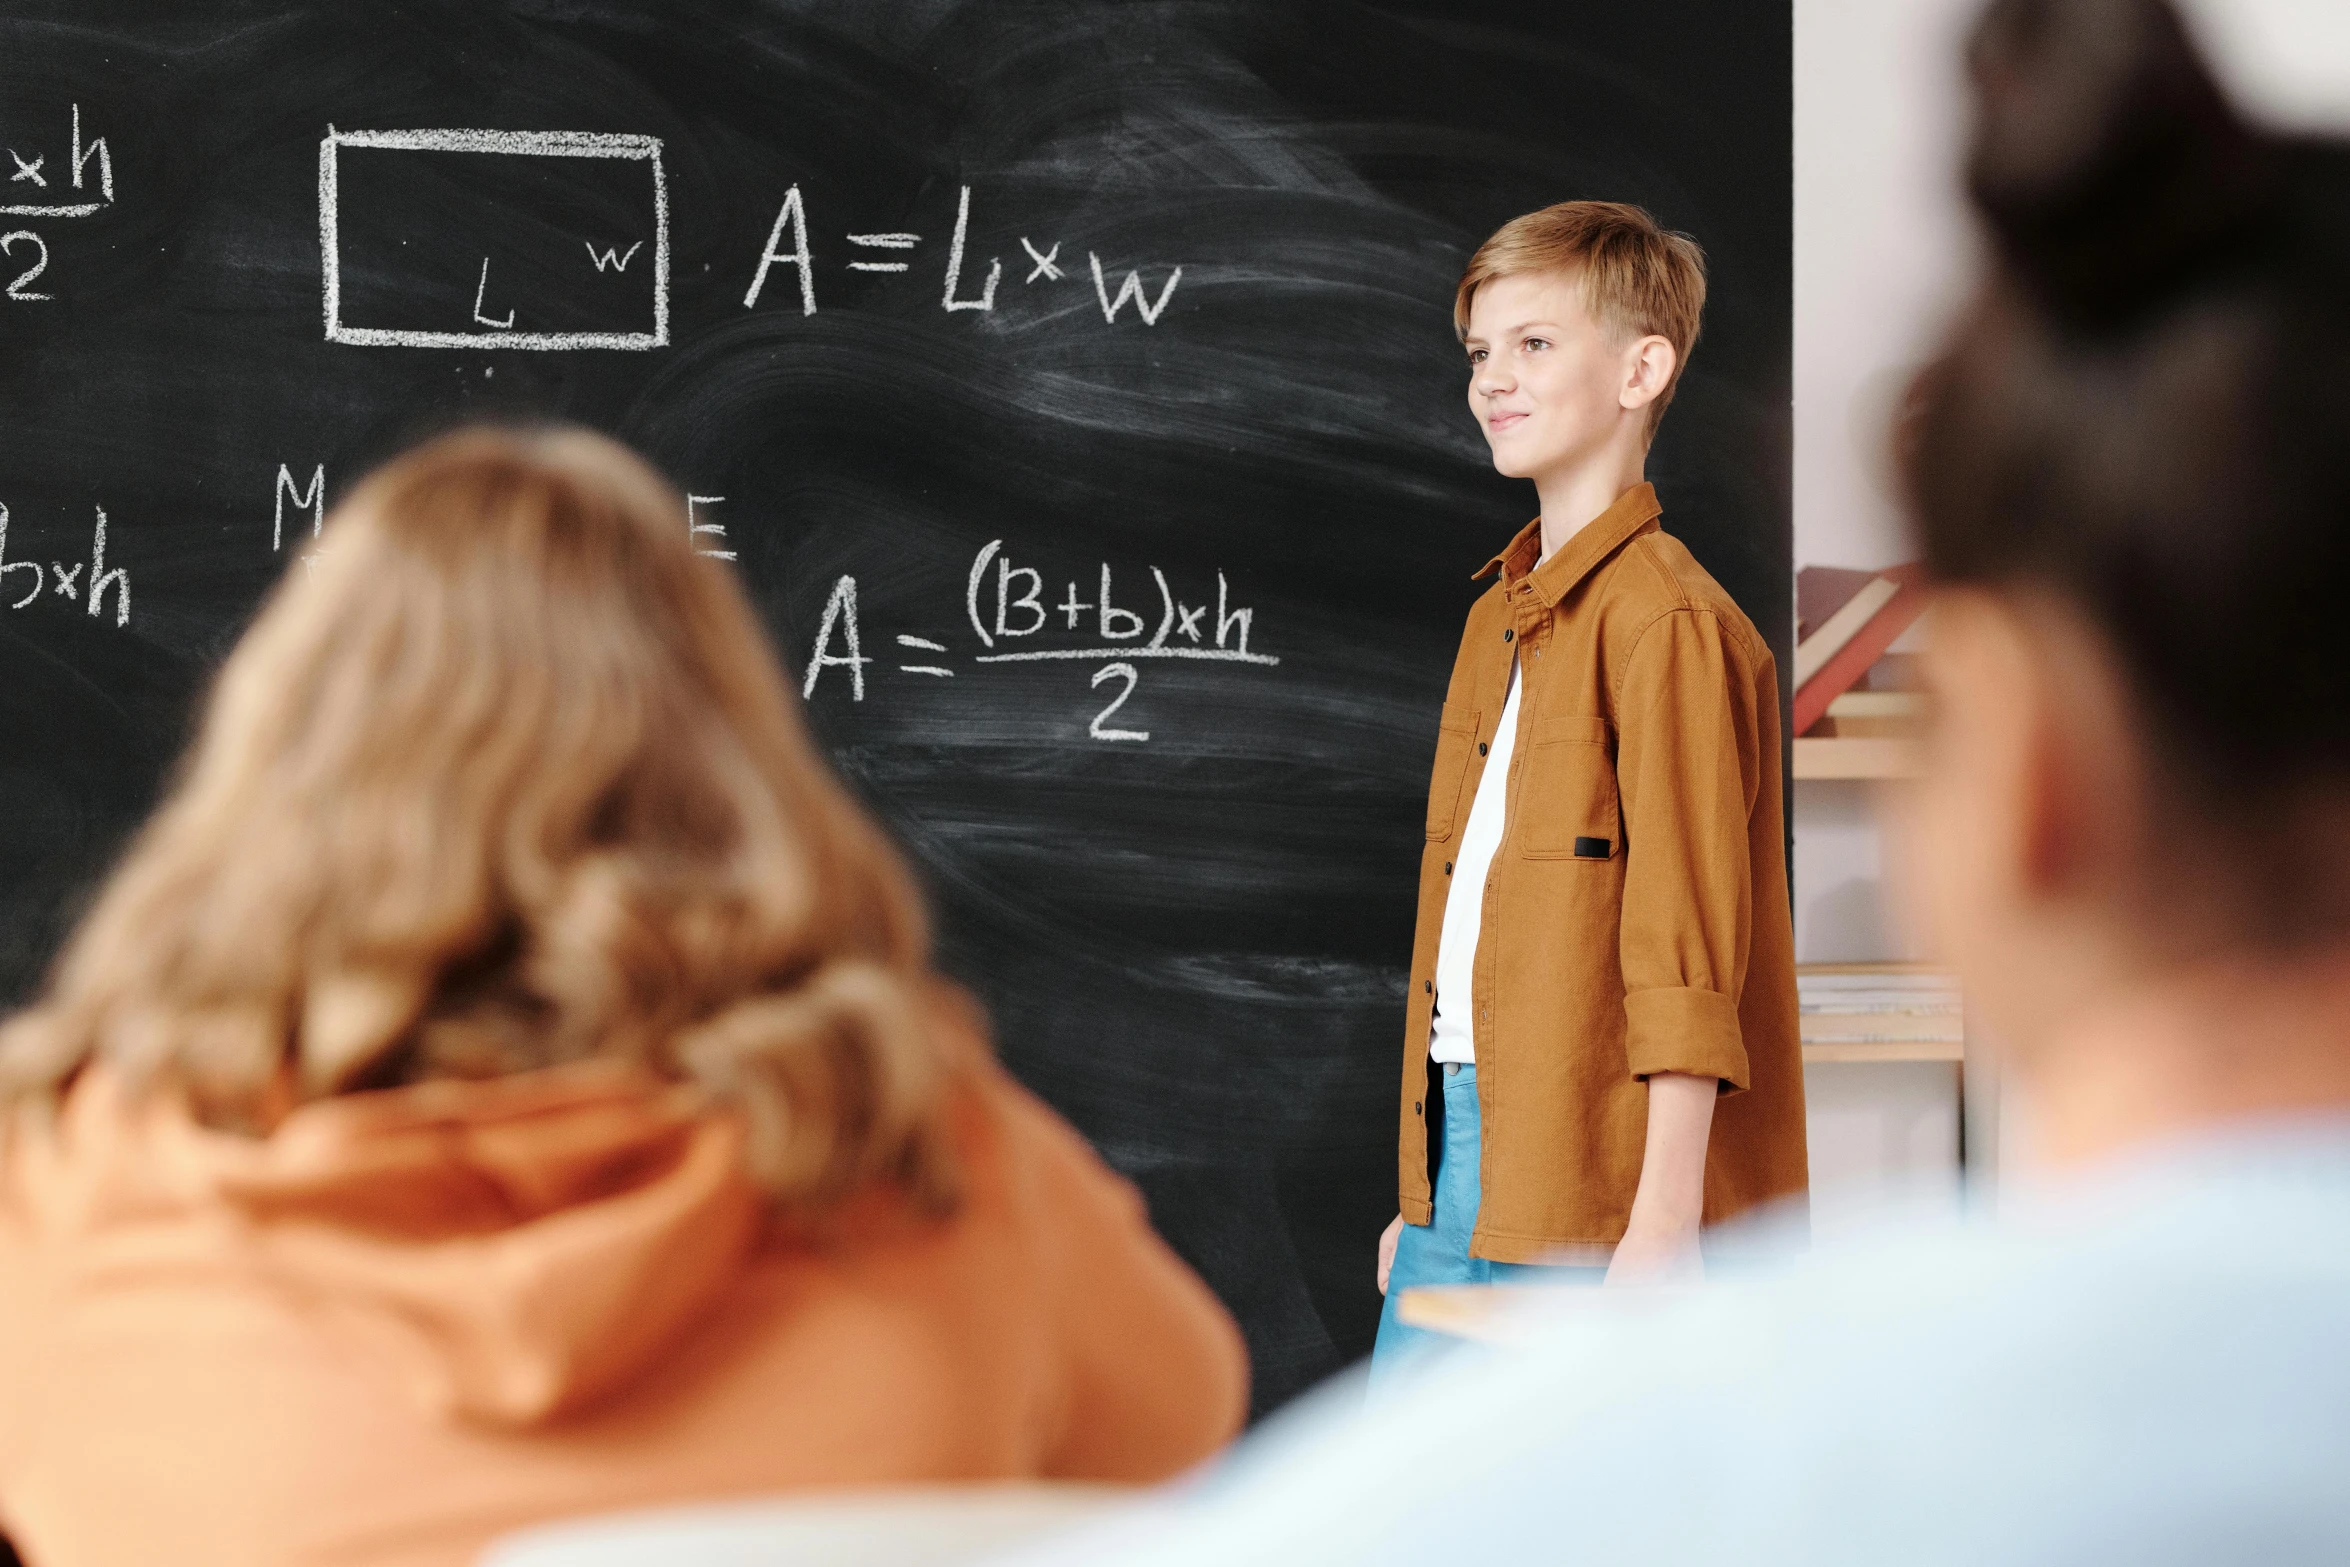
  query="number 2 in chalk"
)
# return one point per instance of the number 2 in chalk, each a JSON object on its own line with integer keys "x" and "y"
{"x": 8, "y": 243}
{"x": 1112, "y": 672}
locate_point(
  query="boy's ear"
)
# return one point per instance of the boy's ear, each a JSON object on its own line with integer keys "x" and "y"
{"x": 1648, "y": 369}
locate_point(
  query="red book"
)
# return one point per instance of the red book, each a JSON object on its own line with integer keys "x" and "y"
{"x": 1820, "y": 591}
{"x": 1851, "y": 662}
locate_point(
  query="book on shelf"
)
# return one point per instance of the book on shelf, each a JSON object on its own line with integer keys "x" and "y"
{"x": 1846, "y": 986}
{"x": 1820, "y": 591}
{"x": 1867, "y": 1003}
{"x": 1819, "y": 1028}
{"x": 1875, "y": 715}
{"x": 1838, "y": 655}
{"x": 1832, "y": 604}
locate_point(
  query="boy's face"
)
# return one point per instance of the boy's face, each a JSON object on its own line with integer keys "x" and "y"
{"x": 1547, "y": 383}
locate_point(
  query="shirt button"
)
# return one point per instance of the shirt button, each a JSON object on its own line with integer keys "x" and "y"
{"x": 1509, "y": 635}
{"x": 1480, "y": 748}
{"x": 1429, "y": 986}
{"x": 1416, "y": 1110}
{"x": 1448, "y": 867}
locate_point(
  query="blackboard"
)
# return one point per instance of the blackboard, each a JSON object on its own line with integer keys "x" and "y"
{"x": 1113, "y": 334}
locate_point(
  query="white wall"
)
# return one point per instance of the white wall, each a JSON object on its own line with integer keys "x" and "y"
{"x": 1882, "y": 254}
{"x": 1882, "y": 249}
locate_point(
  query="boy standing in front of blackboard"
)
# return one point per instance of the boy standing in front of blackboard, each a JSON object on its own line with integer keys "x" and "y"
{"x": 1600, "y": 1053}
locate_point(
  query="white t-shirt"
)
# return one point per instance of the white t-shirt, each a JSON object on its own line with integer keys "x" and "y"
{"x": 1453, "y": 1039}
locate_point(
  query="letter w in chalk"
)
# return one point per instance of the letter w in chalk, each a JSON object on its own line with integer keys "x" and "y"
{"x": 610, "y": 259}
{"x": 1148, "y": 309}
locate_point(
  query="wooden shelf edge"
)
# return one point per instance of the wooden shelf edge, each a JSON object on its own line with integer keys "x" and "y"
{"x": 1858, "y": 758}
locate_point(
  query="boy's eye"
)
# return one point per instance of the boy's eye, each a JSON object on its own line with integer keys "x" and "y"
{"x": 1476, "y": 356}
{"x": 1538, "y": 342}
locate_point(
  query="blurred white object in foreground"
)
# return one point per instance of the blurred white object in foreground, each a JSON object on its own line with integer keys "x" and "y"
{"x": 2141, "y": 1364}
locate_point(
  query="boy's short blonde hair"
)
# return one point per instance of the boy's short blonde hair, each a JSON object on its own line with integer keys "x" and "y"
{"x": 1638, "y": 278}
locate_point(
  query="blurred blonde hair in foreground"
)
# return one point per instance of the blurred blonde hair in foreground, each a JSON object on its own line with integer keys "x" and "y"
{"x": 508, "y": 777}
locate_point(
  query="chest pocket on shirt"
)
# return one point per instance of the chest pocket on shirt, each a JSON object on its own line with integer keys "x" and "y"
{"x": 1456, "y": 737}
{"x": 1567, "y": 793}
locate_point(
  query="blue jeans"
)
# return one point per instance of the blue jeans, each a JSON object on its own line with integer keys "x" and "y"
{"x": 1438, "y": 1252}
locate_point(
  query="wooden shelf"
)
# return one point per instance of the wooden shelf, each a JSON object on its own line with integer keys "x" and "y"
{"x": 1856, "y": 758}
{"x": 1819, "y": 1051}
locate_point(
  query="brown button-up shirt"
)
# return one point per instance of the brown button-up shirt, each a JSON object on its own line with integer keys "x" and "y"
{"x": 1636, "y": 916}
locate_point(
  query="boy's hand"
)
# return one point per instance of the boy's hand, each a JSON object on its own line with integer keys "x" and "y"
{"x": 1387, "y": 1240}
{"x": 1660, "y": 1240}
{"x": 1656, "y": 1252}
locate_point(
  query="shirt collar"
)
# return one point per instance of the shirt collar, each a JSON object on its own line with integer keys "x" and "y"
{"x": 1599, "y": 538}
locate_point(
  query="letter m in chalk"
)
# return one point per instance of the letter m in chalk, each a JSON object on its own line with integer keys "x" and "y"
{"x": 314, "y": 498}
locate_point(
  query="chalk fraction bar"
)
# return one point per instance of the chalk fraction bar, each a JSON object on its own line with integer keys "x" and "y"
{"x": 493, "y": 239}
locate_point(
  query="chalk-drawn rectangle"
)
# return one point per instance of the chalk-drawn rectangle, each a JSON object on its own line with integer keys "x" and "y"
{"x": 403, "y": 215}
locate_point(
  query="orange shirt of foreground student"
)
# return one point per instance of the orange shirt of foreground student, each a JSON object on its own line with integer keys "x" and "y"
{"x": 506, "y": 1080}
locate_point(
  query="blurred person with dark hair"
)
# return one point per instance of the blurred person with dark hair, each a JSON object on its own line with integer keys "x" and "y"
{"x": 2131, "y": 471}
{"x": 507, "y": 1078}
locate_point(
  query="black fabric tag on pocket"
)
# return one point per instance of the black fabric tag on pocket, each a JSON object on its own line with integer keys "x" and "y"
{"x": 1592, "y": 848}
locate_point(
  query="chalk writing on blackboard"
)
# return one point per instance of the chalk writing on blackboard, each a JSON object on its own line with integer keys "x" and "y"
{"x": 9, "y": 568}
{"x": 696, "y": 529}
{"x": 1044, "y": 260}
{"x": 405, "y": 297}
{"x": 88, "y": 167}
{"x": 314, "y": 497}
{"x": 502, "y": 323}
{"x": 78, "y": 173}
{"x": 793, "y": 215}
{"x": 87, "y": 583}
{"x": 995, "y": 267}
{"x": 311, "y": 497}
{"x": 788, "y": 247}
{"x": 612, "y": 257}
{"x": 1005, "y": 603}
{"x": 1023, "y": 614}
{"x": 1098, "y": 728}
{"x": 20, "y": 287}
{"x": 345, "y": 157}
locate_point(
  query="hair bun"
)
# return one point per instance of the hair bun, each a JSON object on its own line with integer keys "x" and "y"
{"x": 2106, "y": 159}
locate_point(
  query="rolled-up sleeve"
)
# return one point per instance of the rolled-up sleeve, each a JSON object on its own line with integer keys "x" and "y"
{"x": 1686, "y": 769}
